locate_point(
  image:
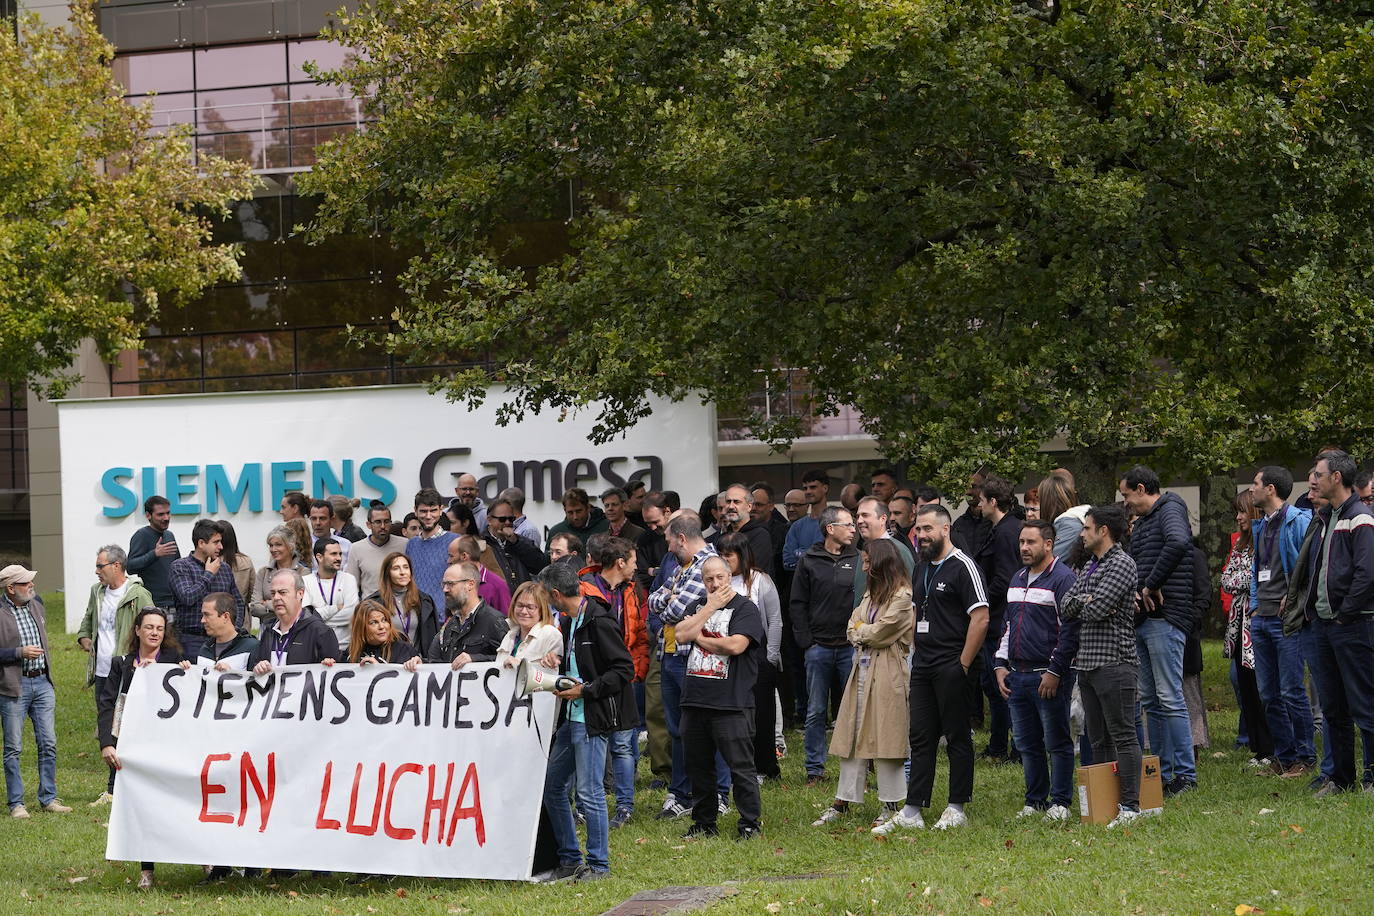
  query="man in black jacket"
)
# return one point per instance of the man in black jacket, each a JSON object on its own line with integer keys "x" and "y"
{"x": 999, "y": 560}
{"x": 735, "y": 517}
{"x": 473, "y": 629}
{"x": 1162, "y": 545}
{"x": 518, "y": 557}
{"x": 600, "y": 703}
{"x": 822, "y": 600}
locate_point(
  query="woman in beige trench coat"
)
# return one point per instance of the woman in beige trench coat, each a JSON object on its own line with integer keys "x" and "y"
{"x": 873, "y": 722}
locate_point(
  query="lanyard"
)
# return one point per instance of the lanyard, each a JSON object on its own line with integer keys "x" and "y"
{"x": 284, "y": 642}
{"x": 333, "y": 586}
{"x": 932, "y": 574}
{"x": 1270, "y": 538}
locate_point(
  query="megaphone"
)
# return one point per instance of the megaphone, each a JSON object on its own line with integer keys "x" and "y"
{"x": 530, "y": 678}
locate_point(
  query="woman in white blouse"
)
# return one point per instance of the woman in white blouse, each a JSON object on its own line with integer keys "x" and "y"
{"x": 533, "y": 634}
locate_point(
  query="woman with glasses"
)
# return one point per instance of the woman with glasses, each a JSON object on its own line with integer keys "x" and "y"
{"x": 533, "y": 634}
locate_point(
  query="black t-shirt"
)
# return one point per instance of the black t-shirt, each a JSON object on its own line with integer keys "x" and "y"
{"x": 944, "y": 595}
{"x": 726, "y": 681}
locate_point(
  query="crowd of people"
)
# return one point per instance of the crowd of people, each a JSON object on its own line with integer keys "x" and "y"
{"x": 881, "y": 626}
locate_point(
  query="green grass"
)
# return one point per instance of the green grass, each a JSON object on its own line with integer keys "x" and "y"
{"x": 1211, "y": 851}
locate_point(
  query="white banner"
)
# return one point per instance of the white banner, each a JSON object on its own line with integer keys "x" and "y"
{"x": 358, "y": 769}
{"x": 234, "y": 455}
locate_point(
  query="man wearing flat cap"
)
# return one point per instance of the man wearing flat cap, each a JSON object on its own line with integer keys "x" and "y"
{"x": 26, "y": 689}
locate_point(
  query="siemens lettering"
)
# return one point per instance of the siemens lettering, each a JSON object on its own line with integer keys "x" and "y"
{"x": 185, "y": 484}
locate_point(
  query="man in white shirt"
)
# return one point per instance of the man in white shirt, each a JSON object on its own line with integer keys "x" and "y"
{"x": 332, "y": 594}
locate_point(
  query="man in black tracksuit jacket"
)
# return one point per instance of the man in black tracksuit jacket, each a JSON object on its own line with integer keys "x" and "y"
{"x": 998, "y": 560}
{"x": 603, "y": 702}
{"x": 821, "y": 602}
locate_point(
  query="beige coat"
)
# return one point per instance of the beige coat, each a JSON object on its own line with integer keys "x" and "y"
{"x": 883, "y": 732}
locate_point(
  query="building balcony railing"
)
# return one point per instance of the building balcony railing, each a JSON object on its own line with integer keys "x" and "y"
{"x": 277, "y": 136}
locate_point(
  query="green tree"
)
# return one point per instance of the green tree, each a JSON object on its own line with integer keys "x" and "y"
{"x": 983, "y": 226}
{"x": 101, "y": 219}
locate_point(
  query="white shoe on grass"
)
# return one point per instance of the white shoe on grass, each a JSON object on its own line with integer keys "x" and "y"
{"x": 899, "y": 821}
{"x": 1124, "y": 817}
{"x": 1027, "y": 811}
{"x": 1057, "y": 813}
{"x": 952, "y": 817}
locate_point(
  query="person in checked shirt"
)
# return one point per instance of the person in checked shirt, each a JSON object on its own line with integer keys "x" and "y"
{"x": 1103, "y": 598}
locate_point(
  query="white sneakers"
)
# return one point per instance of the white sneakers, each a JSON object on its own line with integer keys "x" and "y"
{"x": 1027, "y": 811}
{"x": 899, "y": 821}
{"x": 1124, "y": 816}
{"x": 952, "y": 817}
{"x": 1057, "y": 813}
{"x": 830, "y": 815}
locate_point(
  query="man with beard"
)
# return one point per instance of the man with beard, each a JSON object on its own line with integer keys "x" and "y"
{"x": 197, "y": 575}
{"x": 466, "y": 495}
{"x": 736, "y": 504}
{"x": 428, "y": 552}
{"x": 951, "y": 622}
{"x": 473, "y": 630}
{"x": 153, "y": 550}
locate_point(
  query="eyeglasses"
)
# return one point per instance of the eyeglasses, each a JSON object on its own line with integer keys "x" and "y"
{"x": 100, "y": 566}
{"x": 502, "y": 518}
{"x": 448, "y": 583}
{"x": 795, "y": 505}
{"x": 843, "y": 525}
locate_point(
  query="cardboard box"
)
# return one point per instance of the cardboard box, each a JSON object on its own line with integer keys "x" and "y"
{"x": 1099, "y": 790}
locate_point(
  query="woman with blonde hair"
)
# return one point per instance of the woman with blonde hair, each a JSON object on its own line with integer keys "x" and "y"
{"x": 532, "y": 634}
{"x": 305, "y": 542}
{"x": 874, "y": 722}
{"x": 281, "y": 548}
{"x": 413, "y": 612}
{"x": 374, "y": 639}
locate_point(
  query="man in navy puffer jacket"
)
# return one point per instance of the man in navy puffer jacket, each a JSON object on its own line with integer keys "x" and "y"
{"x": 1161, "y": 546}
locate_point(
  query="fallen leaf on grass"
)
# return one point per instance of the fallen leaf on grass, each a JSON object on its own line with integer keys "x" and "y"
{"x": 1264, "y": 811}
{"x": 1219, "y": 755}
{"x": 1295, "y": 828}
{"x": 1009, "y": 843}
{"x": 927, "y": 892}
{"x": 774, "y": 907}
{"x": 1244, "y": 909}
{"x": 678, "y": 847}
{"x": 402, "y": 892}
{"x": 985, "y": 901}
{"x": 77, "y": 880}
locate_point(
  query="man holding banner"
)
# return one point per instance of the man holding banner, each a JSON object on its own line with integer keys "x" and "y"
{"x": 602, "y": 703}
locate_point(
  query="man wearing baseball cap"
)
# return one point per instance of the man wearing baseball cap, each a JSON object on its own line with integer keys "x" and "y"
{"x": 26, "y": 689}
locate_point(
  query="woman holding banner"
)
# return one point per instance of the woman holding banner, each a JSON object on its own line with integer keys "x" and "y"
{"x": 151, "y": 642}
{"x": 374, "y": 639}
{"x": 533, "y": 633}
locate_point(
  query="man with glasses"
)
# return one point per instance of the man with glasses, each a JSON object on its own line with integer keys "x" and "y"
{"x": 473, "y": 630}
{"x": 794, "y": 504}
{"x": 821, "y": 602}
{"x": 518, "y": 557}
{"x": 26, "y": 689}
{"x": 365, "y": 559}
{"x": 466, "y": 489}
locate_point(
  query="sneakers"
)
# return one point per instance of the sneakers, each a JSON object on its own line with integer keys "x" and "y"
{"x": 884, "y": 816}
{"x": 145, "y": 879}
{"x": 829, "y": 816}
{"x": 1124, "y": 817}
{"x": 586, "y": 873}
{"x": 1057, "y": 813}
{"x": 19, "y": 811}
{"x": 722, "y": 804}
{"x": 56, "y": 807}
{"x": 780, "y": 748}
{"x": 701, "y": 831}
{"x": 1298, "y": 769}
{"x": 622, "y": 817}
{"x": 814, "y": 779}
{"x": 1178, "y": 786}
{"x": 104, "y": 798}
{"x": 1259, "y": 763}
{"x": 899, "y": 821}
{"x": 671, "y": 808}
{"x": 951, "y": 818}
{"x": 1324, "y": 790}
{"x": 564, "y": 872}
{"x": 747, "y": 833}
{"x": 1027, "y": 811}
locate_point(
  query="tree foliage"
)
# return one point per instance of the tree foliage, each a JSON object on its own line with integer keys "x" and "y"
{"x": 1134, "y": 221}
{"x": 99, "y": 216}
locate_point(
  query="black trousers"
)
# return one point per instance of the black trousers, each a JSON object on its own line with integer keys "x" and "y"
{"x": 1109, "y": 701}
{"x": 1252, "y": 705}
{"x": 766, "y": 722}
{"x": 731, "y": 732}
{"x": 940, "y": 705}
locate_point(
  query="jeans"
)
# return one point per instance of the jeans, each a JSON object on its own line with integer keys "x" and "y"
{"x": 824, "y": 666}
{"x": 674, "y": 671}
{"x": 1041, "y": 725}
{"x": 38, "y": 702}
{"x": 624, "y": 754}
{"x": 1278, "y": 669}
{"x": 999, "y": 716}
{"x": 191, "y": 644}
{"x": 1160, "y": 646}
{"x": 1109, "y": 709}
{"x": 578, "y": 756}
{"x": 717, "y": 733}
{"x": 1308, "y": 634}
{"x": 1346, "y": 652}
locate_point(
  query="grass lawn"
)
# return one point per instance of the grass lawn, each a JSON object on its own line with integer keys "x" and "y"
{"x": 1212, "y": 851}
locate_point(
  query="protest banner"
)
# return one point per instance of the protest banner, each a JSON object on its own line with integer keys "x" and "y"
{"x": 366, "y": 769}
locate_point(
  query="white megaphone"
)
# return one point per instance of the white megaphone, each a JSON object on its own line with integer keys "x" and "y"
{"x": 530, "y": 678}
